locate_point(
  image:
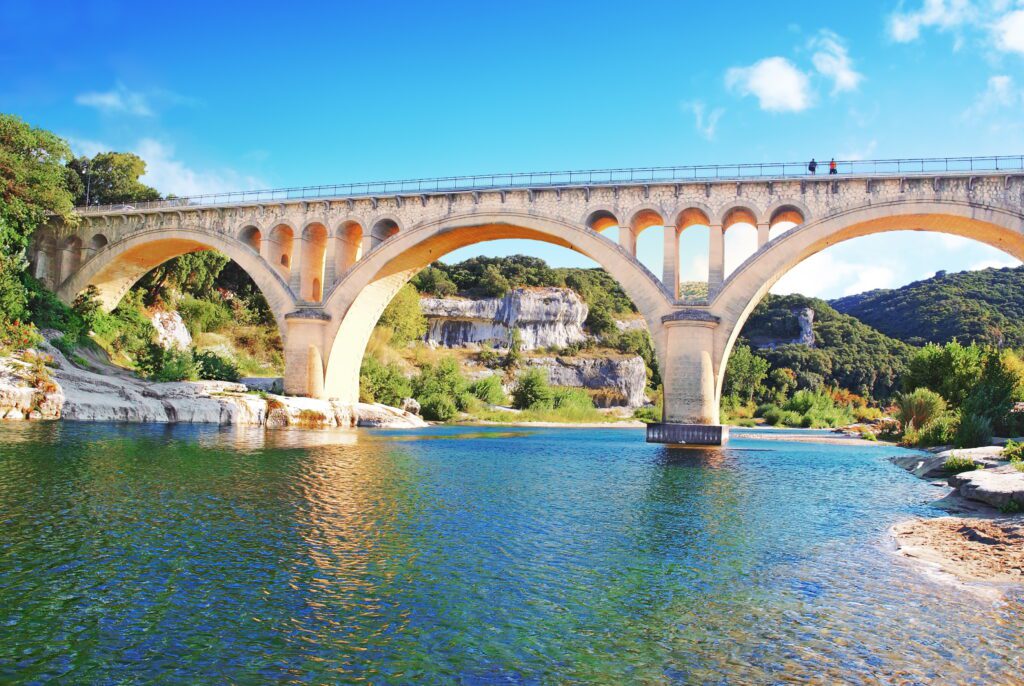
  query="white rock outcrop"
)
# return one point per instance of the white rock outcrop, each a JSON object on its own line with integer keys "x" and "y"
{"x": 626, "y": 377}
{"x": 110, "y": 394}
{"x": 544, "y": 316}
{"x": 171, "y": 331}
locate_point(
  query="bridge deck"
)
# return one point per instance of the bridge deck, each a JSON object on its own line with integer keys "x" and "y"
{"x": 729, "y": 173}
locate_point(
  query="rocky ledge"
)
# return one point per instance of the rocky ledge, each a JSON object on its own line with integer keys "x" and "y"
{"x": 969, "y": 549}
{"x": 110, "y": 394}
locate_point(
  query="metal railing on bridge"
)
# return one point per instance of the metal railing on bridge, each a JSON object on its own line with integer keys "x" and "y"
{"x": 589, "y": 177}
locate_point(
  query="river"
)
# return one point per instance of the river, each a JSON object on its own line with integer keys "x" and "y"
{"x": 197, "y": 554}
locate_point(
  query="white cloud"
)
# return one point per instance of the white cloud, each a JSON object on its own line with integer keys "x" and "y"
{"x": 705, "y": 122}
{"x": 860, "y": 153}
{"x": 943, "y": 15}
{"x": 1009, "y": 32}
{"x": 170, "y": 175}
{"x": 120, "y": 100}
{"x": 1000, "y": 92}
{"x": 776, "y": 83}
{"x": 995, "y": 263}
{"x": 832, "y": 61}
{"x": 83, "y": 146}
{"x": 823, "y": 275}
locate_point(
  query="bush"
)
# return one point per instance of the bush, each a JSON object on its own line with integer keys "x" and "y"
{"x": 563, "y": 398}
{"x": 1014, "y": 451}
{"x": 974, "y": 430}
{"x": 159, "y": 364}
{"x": 17, "y": 335}
{"x": 380, "y": 383}
{"x": 439, "y": 408}
{"x": 649, "y": 414}
{"x": 956, "y": 464}
{"x": 202, "y": 316}
{"x": 532, "y": 391}
{"x": 489, "y": 390}
{"x": 940, "y": 430}
{"x": 216, "y": 367}
{"x": 816, "y": 409}
{"x": 404, "y": 317}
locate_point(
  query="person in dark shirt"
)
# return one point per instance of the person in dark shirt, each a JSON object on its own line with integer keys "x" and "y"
{"x": 812, "y": 166}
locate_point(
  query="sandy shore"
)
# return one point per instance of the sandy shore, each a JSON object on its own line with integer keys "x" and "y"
{"x": 972, "y": 550}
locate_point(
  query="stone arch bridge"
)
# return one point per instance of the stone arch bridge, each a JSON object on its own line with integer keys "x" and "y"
{"x": 328, "y": 263}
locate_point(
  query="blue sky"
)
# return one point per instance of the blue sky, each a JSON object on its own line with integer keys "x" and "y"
{"x": 225, "y": 96}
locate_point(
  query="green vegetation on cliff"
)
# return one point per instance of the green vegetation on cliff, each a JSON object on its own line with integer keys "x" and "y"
{"x": 985, "y": 306}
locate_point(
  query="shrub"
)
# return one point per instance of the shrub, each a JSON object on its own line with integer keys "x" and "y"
{"x": 959, "y": 463}
{"x": 439, "y": 408}
{"x": 17, "y": 335}
{"x": 404, "y": 316}
{"x": 380, "y": 383}
{"x": 159, "y": 364}
{"x": 210, "y": 365}
{"x": 1014, "y": 451}
{"x": 974, "y": 430}
{"x": 563, "y": 398}
{"x": 532, "y": 391}
{"x": 649, "y": 414}
{"x": 940, "y": 430}
{"x": 201, "y": 315}
{"x": 919, "y": 408}
{"x": 489, "y": 390}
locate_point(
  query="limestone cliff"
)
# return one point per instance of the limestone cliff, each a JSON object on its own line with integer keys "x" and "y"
{"x": 545, "y": 317}
{"x": 625, "y": 378}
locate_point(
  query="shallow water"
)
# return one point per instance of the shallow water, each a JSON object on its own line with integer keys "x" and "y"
{"x": 184, "y": 554}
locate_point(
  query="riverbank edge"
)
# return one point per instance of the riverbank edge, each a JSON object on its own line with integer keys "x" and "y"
{"x": 968, "y": 546}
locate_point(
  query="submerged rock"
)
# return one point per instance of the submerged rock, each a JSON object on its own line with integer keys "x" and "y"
{"x": 545, "y": 317}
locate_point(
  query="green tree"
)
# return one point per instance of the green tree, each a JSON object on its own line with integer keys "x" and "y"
{"x": 435, "y": 281}
{"x": 34, "y": 182}
{"x": 532, "y": 391}
{"x": 744, "y": 374}
{"x": 110, "y": 178}
{"x": 514, "y": 357}
{"x": 404, "y": 316}
{"x": 951, "y": 370}
{"x": 192, "y": 273}
{"x": 493, "y": 283}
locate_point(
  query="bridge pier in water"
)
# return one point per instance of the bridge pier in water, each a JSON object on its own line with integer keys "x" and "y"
{"x": 690, "y": 414}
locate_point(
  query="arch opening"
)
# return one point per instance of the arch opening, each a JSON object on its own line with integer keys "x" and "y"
{"x": 279, "y": 249}
{"x": 747, "y": 286}
{"x": 357, "y": 302}
{"x": 349, "y": 246}
{"x": 382, "y": 230}
{"x": 98, "y": 242}
{"x": 312, "y": 266}
{"x": 253, "y": 237}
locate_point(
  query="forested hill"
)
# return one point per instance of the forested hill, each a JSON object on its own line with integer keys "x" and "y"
{"x": 846, "y": 352}
{"x": 985, "y": 306}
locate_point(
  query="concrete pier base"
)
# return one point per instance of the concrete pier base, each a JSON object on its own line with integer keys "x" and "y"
{"x": 687, "y": 434}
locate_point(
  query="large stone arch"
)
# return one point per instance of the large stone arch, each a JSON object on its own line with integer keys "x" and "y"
{"x": 356, "y": 302}
{"x": 1001, "y": 228}
{"x": 120, "y": 264}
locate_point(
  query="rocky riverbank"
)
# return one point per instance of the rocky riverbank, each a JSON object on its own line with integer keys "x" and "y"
{"x": 982, "y": 542}
{"x": 44, "y": 384}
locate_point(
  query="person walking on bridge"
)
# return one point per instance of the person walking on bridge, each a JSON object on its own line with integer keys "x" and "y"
{"x": 812, "y": 166}
{"x": 832, "y": 167}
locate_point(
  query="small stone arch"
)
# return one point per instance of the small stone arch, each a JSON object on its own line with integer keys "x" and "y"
{"x": 280, "y": 246}
{"x": 314, "y": 260}
{"x": 382, "y": 229}
{"x": 739, "y": 213}
{"x": 601, "y": 218}
{"x": 645, "y": 216}
{"x": 71, "y": 256}
{"x": 47, "y": 264}
{"x": 98, "y": 242}
{"x": 252, "y": 236}
{"x": 349, "y": 246}
{"x": 692, "y": 215}
{"x": 786, "y": 210}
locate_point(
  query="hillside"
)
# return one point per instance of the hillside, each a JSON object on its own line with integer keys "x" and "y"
{"x": 985, "y": 306}
{"x": 846, "y": 352}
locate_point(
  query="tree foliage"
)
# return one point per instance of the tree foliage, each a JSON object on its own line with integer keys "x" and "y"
{"x": 985, "y": 306}
{"x": 745, "y": 374}
{"x": 404, "y": 316}
{"x": 109, "y": 178}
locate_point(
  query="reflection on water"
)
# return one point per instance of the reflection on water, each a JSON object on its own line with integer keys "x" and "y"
{"x": 156, "y": 554}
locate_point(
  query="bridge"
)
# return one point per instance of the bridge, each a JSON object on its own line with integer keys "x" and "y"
{"x": 330, "y": 258}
